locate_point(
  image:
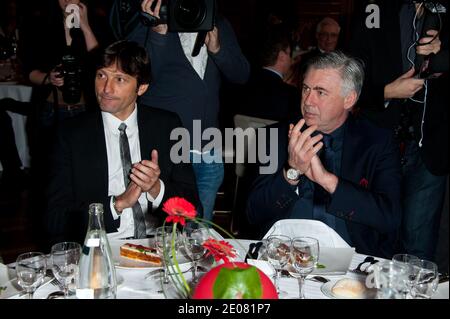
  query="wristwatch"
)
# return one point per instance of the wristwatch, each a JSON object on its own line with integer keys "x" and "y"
{"x": 114, "y": 205}
{"x": 292, "y": 174}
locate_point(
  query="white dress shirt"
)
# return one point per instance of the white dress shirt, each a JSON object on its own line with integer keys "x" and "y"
{"x": 116, "y": 184}
{"x": 198, "y": 62}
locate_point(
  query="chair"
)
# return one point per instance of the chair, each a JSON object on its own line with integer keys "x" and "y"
{"x": 245, "y": 122}
{"x": 326, "y": 236}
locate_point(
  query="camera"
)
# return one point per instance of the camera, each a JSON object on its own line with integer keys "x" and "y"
{"x": 184, "y": 15}
{"x": 71, "y": 71}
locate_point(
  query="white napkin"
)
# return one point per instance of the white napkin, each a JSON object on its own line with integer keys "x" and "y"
{"x": 326, "y": 236}
{"x": 336, "y": 261}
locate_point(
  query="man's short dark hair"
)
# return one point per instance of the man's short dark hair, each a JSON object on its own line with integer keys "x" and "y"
{"x": 130, "y": 58}
{"x": 276, "y": 40}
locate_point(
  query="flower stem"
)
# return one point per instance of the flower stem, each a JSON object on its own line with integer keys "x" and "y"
{"x": 175, "y": 261}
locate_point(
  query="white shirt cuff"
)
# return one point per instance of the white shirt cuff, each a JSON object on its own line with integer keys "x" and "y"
{"x": 156, "y": 201}
{"x": 113, "y": 211}
{"x": 386, "y": 103}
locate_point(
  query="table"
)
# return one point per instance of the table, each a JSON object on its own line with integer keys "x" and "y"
{"x": 21, "y": 93}
{"x": 134, "y": 285}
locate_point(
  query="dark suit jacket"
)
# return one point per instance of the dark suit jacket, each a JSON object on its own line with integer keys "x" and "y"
{"x": 80, "y": 171}
{"x": 380, "y": 49}
{"x": 268, "y": 97}
{"x": 367, "y": 196}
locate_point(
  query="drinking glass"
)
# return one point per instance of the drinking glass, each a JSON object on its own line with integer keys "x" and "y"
{"x": 163, "y": 241}
{"x": 31, "y": 268}
{"x": 391, "y": 279}
{"x": 304, "y": 256}
{"x": 278, "y": 252}
{"x": 65, "y": 257}
{"x": 194, "y": 236}
{"x": 407, "y": 260}
{"x": 426, "y": 279}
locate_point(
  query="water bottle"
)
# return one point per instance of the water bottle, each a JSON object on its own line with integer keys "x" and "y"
{"x": 97, "y": 275}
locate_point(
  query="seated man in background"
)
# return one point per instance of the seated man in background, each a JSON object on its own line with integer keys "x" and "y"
{"x": 118, "y": 157}
{"x": 267, "y": 95}
{"x": 327, "y": 37}
{"x": 353, "y": 183}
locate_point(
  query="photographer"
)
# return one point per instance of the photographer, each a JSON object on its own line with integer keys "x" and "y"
{"x": 394, "y": 96}
{"x": 189, "y": 86}
{"x": 59, "y": 62}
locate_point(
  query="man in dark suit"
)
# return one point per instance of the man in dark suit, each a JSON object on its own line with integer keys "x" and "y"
{"x": 353, "y": 185}
{"x": 118, "y": 157}
{"x": 416, "y": 110}
{"x": 267, "y": 95}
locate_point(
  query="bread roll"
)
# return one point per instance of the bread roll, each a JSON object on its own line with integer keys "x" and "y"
{"x": 349, "y": 288}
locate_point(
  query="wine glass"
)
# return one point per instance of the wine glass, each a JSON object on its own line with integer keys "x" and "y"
{"x": 31, "y": 268}
{"x": 391, "y": 279}
{"x": 426, "y": 279}
{"x": 278, "y": 252}
{"x": 407, "y": 260}
{"x": 194, "y": 236}
{"x": 65, "y": 257}
{"x": 304, "y": 256}
{"x": 163, "y": 241}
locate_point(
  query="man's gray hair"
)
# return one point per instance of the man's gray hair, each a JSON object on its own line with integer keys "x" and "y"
{"x": 327, "y": 21}
{"x": 350, "y": 69}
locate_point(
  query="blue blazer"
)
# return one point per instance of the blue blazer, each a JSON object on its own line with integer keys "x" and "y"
{"x": 367, "y": 196}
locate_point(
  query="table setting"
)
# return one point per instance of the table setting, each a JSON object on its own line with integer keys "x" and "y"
{"x": 297, "y": 267}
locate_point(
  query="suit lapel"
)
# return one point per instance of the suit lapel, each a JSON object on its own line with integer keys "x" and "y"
{"x": 145, "y": 137}
{"x": 98, "y": 147}
{"x": 350, "y": 150}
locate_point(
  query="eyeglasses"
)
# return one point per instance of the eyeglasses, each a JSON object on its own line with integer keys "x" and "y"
{"x": 324, "y": 35}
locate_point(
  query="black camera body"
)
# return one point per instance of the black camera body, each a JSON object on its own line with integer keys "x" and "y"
{"x": 71, "y": 71}
{"x": 184, "y": 15}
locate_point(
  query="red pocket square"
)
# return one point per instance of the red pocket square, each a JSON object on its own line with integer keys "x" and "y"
{"x": 364, "y": 183}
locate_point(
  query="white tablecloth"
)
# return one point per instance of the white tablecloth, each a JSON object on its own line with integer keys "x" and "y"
{"x": 132, "y": 284}
{"x": 19, "y": 93}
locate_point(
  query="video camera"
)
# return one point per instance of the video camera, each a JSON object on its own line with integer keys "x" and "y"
{"x": 70, "y": 69}
{"x": 184, "y": 15}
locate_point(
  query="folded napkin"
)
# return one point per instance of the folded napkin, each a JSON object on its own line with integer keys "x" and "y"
{"x": 334, "y": 261}
{"x": 326, "y": 236}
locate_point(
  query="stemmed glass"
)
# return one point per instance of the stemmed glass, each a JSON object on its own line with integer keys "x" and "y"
{"x": 65, "y": 257}
{"x": 163, "y": 241}
{"x": 304, "y": 256}
{"x": 426, "y": 279}
{"x": 407, "y": 260}
{"x": 391, "y": 279}
{"x": 194, "y": 236}
{"x": 278, "y": 253}
{"x": 31, "y": 268}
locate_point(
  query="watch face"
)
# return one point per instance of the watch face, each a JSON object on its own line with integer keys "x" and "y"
{"x": 292, "y": 174}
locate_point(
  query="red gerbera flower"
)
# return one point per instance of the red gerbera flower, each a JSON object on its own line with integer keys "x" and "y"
{"x": 179, "y": 209}
{"x": 220, "y": 250}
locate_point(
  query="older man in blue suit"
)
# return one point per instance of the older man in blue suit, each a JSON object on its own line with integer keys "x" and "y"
{"x": 334, "y": 167}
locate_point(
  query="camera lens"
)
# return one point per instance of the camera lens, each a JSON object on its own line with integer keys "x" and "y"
{"x": 190, "y": 13}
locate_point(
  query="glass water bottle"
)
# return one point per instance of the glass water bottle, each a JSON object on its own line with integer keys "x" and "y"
{"x": 97, "y": 275}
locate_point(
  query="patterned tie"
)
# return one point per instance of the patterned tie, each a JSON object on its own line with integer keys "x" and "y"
{"x": 138, "y": 215}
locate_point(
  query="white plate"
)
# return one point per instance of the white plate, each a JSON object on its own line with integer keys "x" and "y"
{"x": 326, "y": 289}
{"x": 126, "y": 263}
